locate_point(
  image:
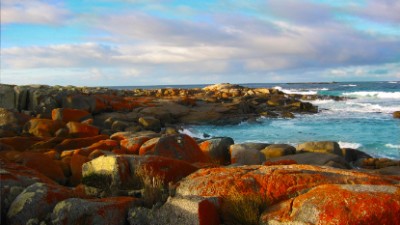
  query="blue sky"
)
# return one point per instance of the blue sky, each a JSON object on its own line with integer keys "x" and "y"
{"x": 139, "y": 42}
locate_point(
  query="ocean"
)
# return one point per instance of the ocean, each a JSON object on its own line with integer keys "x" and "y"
{"x": 363, "y": 122}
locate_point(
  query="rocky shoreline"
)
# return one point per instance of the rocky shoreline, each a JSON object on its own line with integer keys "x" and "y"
{"x": 79, "y": 155}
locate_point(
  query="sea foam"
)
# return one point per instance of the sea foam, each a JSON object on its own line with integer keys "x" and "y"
{"x": 373, "y": 94}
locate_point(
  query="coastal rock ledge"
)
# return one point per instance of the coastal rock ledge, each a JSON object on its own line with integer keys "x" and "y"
{"x": 73, "y": 155}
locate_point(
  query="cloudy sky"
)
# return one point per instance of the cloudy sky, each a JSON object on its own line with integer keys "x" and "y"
{"x": 148, "y": 42}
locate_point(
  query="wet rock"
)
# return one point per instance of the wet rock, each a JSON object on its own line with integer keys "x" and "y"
{"x": 105, "y": 211}
{"x": 339, "y": 204}
{"x": 321, "y": 147}
{"x": 217, "y": 149}
{"x": 35, "y": 204}
{"x": 278, "y": 150}
{"x": 247, "y": 153}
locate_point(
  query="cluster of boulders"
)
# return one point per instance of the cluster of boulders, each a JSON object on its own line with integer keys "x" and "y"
{"x": 112, "y": 158}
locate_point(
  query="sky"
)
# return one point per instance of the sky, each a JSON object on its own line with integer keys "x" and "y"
{"x": 148, "y": 42}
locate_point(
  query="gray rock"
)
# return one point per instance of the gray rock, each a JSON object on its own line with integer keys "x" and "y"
{"x": 320, "y": 147}
{"x": 313, "y": 158}
{"x": 278, "y": 150}
{"x": 247, "y": 153}
{"x": 150, "y": 123}
{"x": 7, "y": 96}
{"x": 218, "y": 149}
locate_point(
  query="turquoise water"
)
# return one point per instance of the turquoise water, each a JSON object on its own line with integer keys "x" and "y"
{"x": 363, "y": 122}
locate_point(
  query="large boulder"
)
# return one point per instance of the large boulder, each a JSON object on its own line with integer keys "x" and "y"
{"x": 105, "y": 211}
{"x": 75, "y": 143}
{"x": 7, "y": 97}
{"x": 150, "y": 123}
{"x": 111, "y": 174}
{"x": 338, "y": 204}
{"x": 20, "y": 143}
{"x": 81, "y": 102}
{"x": 178, "y": 146}
{"x": 321, "y": 147}
{"x": 35, "y": 204}
{"x": 132, "y": 145}
{"x": 217, "y": 149}
{"x": 247, "y": 153}
{"x": 245, "y": 191}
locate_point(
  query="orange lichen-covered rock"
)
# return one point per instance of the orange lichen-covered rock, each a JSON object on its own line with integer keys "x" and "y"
{"x": 269, "y": 184}
{"x": 76, "y": 168}
{"x": 67, "y": 115}
{"x": 45, "y": 165}
{"x": 119, "y": 136}
{"x": 339, "y": 204}
{"x": 148, "y": 146}
{"x": 118, "y": 171}
{"x": 107, "y": 145}
{"x": 180, "y": 146}
{"x": 36, "y": 203}
{"x": 104, "y": 211}
{"x": 80, "y": 130}
{"x": 20, "y": 143}
{"x": 132, "y": 145}
{"x": 43, "y": 127}
{"x": 75, "y": 143}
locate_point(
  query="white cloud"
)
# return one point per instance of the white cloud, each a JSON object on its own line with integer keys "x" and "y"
{"x": 32, "y": 12}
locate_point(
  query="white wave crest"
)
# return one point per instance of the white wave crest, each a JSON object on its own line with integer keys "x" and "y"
{"x": 343, "y": 144}
{"x": 392, "y": 82}
{"x": 349, "y": 85}
{"x": 312, "y": 91}
{"x": 392, "y": 146}
{"x": 373, "y": 94}
{"x": 192, "y": 133}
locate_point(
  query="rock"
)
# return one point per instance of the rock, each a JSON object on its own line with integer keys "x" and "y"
{"x": 111, "y": 174}
{"x": 105, "y": 211}
{"x": 68, "y": 115}
{"x": 76, "y": 163}
{"x": 192, "y": 210}
{"x": 43, "y": 127}
{"x": 150, "y": 123}
{"x": 287, "y": 115}
{"x": 14, "y": 178}
{"x": 132, "y": 145}
{"x": 7, "y": 97}
{"x": 119, "y": 125}
{"x": 11, "y": 123}
{"x": 339, "y": 204}
{"x": 181, "y": 147}
{"x": 80, "y": 130}
{"x": 75, "y": 143}
{"x": 319, "y": 159}
{"x": 376, "y": 163}
{"x": 247, "y": 190}
{"x": 20, "y": 143}
{"x": 45, "y": 165}
{"x": 396, "y": 114}
{"x": 247, "y": 153}
{"x": 222, "y": 87}
{"x": 81, "y": 102}
{"x": 196, "y": 117}
{"x": 352, "y": 155}
{"x": 35, "y": 204}
{"x": 217, "y": 149}
{"x": 128, "y": 134}
{"x": 321, "y": 147}
{"x": 278, "y": 150}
